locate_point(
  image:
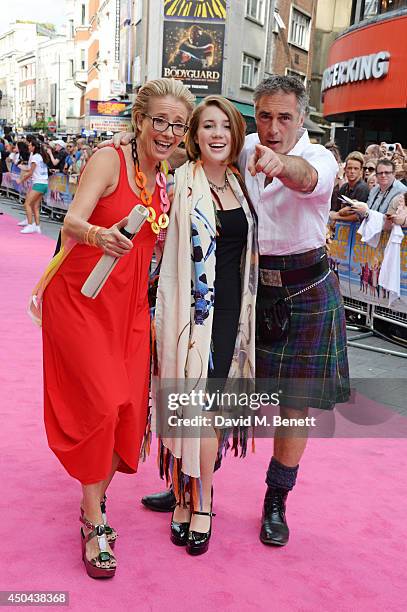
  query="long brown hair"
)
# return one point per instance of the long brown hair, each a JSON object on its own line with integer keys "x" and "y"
{"x": 38, "y": 147}
{"x": 237, "y": 127}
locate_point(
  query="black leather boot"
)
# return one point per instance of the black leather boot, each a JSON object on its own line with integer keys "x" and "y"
{"x": 274, "y": 528}
{"x": 160, "y": 502}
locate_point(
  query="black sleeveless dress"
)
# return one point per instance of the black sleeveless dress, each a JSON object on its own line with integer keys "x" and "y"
{"x": 230, "y": 243}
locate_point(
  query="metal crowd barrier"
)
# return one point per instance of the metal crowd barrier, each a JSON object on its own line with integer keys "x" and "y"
{"x": 55, "y": 203}
{"x": 358, "y": 267}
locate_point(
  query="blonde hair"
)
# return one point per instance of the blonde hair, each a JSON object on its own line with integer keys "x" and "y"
{"x": 159, "y": 88}
{"x": 237, "y": 127}
{"x": 355, "y": 156}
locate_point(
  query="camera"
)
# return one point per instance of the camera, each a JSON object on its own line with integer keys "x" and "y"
{"x": 391, "y": 148}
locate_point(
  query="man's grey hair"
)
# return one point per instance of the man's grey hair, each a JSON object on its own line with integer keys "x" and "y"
{"x": 288, "y": 84}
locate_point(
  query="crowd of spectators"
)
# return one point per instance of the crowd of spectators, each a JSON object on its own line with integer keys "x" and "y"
{"x": 375, "y": 180}
{"x": 69, "y": 157}
{"x": 37, "y": 158}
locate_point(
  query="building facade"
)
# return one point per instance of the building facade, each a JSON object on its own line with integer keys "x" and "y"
{"x": 27, "y": 69}
{"x": 244, "y": 41}
{"x": 51, "y": 78}
{"x": 93, "y": 56}
{"x": 18, "y": 42}
{"x": 32, "y": 77}
{"x": 104, "y": 50}
{"x": 77, "y": 44}
{"x": 332, "y": 18}
{"x": 364, "y": 85}
{"x": 293, "y": 48}
{"x": 111, "y": 47}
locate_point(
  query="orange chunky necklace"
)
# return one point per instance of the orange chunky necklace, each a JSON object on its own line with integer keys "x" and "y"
{"x": 159, "y": 225}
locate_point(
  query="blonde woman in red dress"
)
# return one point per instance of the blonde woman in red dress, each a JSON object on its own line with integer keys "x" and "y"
{"x": 97, "y": 352}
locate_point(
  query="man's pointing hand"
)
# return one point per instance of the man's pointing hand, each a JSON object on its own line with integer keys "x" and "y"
{"x": 265, "y": 160}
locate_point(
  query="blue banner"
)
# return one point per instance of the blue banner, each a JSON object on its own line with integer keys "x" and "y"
{"x": 358, "y": 266}
{"x": 61, "y": 188}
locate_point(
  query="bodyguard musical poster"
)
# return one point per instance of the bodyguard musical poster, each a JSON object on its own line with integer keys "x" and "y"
{"x": 193, "y": 53}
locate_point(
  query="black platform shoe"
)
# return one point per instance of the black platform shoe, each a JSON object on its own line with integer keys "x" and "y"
{"x": 160, "y": 502}
{"x": 198, "y": 543}
{"x": 179, "y": 532}
{"x": 274, "y": 528}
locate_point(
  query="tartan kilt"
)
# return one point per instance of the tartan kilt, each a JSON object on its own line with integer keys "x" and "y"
{"x": 309, "y": 367}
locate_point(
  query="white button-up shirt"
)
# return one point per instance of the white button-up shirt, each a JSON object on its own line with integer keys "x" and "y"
{"x": 291, "y": 221}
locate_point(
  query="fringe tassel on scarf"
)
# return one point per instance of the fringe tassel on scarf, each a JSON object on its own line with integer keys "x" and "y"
{"x": 186, "y": 488}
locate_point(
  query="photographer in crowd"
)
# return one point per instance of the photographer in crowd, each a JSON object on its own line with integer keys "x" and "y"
{"x": 57, "y": 155}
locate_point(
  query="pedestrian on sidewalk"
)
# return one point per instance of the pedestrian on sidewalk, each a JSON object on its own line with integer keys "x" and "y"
{"x": 97, "y": 352}
{"x": 38, "y": 173}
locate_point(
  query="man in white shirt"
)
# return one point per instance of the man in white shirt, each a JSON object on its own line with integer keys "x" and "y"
{"x": 282, "y": 149}
{"x": 290, "y": 182}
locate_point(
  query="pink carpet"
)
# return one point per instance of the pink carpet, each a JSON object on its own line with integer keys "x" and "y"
{"x": 347, "y": 515}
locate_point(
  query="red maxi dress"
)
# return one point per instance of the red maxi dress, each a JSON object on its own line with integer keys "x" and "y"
{"x": 97, "y": 352}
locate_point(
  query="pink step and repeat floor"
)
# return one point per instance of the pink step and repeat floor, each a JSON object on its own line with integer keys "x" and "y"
{"x": 347, "y": 514}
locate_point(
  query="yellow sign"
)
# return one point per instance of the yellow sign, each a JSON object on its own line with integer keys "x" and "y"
{"x": 198, "y": 9}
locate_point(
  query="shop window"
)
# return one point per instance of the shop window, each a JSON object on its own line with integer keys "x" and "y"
{"x": 300, "y": 26}
{"x": 250, "y": 71}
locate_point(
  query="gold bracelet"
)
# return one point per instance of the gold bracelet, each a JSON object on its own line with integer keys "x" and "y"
{"x": 93, "y": 231}
{"x": 90, "y": 235}
{"x": 94, "y": 241}
{"x": 86, "y": 237}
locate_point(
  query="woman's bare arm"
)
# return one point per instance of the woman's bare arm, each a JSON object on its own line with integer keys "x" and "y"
{"x": 99, "y": 179}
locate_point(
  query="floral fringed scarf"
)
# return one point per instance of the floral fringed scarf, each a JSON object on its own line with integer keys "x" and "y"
{"x": 184, "y": 314}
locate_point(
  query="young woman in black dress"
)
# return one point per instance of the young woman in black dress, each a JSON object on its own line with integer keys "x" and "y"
{"x": 213, "y": 143}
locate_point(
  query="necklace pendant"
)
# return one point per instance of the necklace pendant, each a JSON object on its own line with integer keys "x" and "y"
{"x": 163, "y": 221}
{"x": 221, "y": 188}
{"x": 151, "y": 214}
